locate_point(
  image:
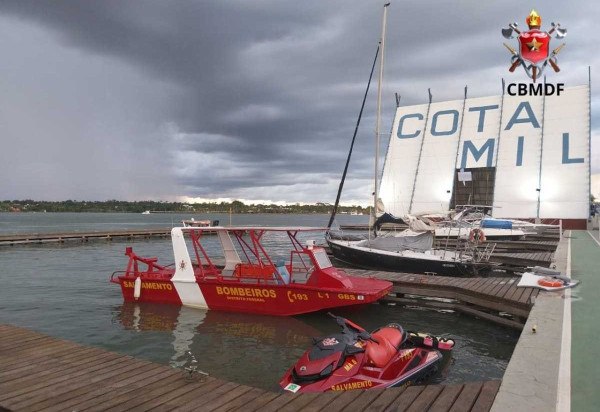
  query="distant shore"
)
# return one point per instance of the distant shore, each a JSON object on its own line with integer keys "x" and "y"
{"x": 149, "y": 207}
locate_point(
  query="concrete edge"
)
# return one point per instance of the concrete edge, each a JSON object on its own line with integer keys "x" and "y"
{"x": 531, "y": 378}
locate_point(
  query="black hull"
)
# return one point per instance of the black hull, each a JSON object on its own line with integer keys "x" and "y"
{"x": 374, "y": 260}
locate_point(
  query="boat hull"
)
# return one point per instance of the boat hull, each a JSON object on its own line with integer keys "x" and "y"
{"x": 372, "y": 259}
{"x": 264, "y": 299}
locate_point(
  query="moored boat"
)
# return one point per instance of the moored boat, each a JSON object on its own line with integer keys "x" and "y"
{"x": 392, "y": 253}
{"x": 356, "y": 359}
{"x": 251, "y": 280}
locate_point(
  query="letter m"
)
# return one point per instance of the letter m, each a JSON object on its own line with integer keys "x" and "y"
{"x": 468, "y": 146}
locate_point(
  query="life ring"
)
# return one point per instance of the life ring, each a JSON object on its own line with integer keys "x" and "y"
{"x": 476, "y": 236}
{"x": 550, "y": 282}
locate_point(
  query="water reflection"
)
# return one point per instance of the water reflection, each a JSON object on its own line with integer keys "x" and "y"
{"x": 217, "y": 338}
{"x": 256, "y": 350}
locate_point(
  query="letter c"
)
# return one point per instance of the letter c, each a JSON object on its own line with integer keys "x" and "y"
{"x": 418, "y": 116}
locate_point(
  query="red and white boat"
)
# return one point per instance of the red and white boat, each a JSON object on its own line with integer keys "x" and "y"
{"x": 249, "y": 280}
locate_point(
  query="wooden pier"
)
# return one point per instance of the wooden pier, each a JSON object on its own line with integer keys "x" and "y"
{"x": 497, "y": 299}
{"x": 39, "y": 238}
{"x": 41, "y": 373}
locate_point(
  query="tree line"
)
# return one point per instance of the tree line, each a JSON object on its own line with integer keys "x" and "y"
{"x": 119, "y": 206}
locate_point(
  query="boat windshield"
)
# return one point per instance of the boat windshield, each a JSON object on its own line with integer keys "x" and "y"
{"x": 322, "y": 259}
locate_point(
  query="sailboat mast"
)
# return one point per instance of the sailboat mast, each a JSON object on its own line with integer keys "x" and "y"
{"x": 378, "y": 122}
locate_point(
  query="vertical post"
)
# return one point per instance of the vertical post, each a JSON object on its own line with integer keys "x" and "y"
{"x": 412, "y": 196}
{"x": 498, "y": 144}
{"x": 378, "y": 122}
{"x": 589, "y": 138}
{"x": 462, "y": 121}
{"x": 539, "y": 186}
{"x": 560, "y": 227}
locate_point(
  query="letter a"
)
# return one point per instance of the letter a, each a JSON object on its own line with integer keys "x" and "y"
{"x": 529, "y": 119}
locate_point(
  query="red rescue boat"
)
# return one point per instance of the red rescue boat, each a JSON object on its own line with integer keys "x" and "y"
{"x": 249, "y": 281}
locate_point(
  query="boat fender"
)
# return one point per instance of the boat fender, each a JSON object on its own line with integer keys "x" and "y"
{"x": 550, "y": 282}
{"x": 137, "y": 288}
{"x": 476, "y": 236}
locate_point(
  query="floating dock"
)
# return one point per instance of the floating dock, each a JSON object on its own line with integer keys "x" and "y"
{"x": 495, "y": 299}
{"x": 39, "y": 238}
{"x": 41, "y": 373}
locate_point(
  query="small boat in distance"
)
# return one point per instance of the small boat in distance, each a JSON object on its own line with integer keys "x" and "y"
{"x": 146, "y": 212}
{"x": 199, "y": 223}
{"x": 251, "y": 280}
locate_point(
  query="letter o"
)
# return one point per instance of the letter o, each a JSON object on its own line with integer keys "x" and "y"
{"x": 452, "y": 130}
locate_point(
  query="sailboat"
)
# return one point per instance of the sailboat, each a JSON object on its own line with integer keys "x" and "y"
{"x": 413, "y": 251}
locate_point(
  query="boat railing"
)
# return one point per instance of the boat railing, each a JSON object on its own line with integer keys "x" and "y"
{"x": 117, "y": 273}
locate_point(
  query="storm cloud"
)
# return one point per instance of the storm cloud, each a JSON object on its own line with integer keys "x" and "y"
{"x": 235, "y": 99}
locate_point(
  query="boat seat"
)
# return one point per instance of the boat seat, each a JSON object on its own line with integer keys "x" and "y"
{"x": 283, "y": 272}
{"x": 390, "y": 339}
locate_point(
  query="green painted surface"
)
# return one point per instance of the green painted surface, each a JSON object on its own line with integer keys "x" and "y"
{"x": 585, "y": 350}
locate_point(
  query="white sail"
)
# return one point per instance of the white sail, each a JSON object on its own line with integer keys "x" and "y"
{"x": 539, "y": 147}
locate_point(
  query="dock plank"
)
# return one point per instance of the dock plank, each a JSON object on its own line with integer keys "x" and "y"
{"x": 241, "y": 401}
{"x": 342, "y": 402}
{"x": 366, "y": 398}
{"x": 425, "y": 399}
{"x": 299, "y": 402}
{"x": 95, "y": 390}
{"x": 486, "y": 396}
{"x": 225, "y": 397}
{"x": 199, "y": 402}
{"x": 446, "y": 398}
{"x": 385, "y": 399}
{"x": 66, "y": 387}
{"x": 206, "y": 386}
{"x": 467, "y": 397}
{"x": 258, "y": 403}
{"x": 406, "y": 398}
{"x": 122, "y": 400}
{"x": 322, "y": 402}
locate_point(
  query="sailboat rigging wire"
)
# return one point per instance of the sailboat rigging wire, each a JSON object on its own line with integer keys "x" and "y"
{"x": 339, "y": 193}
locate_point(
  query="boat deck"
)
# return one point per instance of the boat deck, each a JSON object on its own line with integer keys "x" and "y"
{"x": 42, "y": 373}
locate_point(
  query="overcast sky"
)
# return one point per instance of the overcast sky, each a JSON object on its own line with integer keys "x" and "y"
{"x": 252, "y": 100}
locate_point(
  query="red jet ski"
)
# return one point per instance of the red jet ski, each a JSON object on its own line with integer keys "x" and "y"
{"x": 356, "y": 359}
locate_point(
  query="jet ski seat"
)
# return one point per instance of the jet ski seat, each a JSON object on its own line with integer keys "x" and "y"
{"x": 390, "y": 339}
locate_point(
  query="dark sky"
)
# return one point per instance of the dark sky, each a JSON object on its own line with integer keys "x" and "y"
{"x": 252, "y": 100}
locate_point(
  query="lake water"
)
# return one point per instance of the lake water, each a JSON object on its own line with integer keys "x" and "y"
{"x": 63, "y": 290}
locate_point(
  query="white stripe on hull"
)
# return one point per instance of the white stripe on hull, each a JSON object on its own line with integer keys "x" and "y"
{"x": 190, "y": 294}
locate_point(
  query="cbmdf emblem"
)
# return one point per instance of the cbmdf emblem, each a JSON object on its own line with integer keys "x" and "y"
{"x": 533, "y": 51}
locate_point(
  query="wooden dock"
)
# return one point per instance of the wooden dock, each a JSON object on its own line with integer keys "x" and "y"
{"x": 497, "y": 299}
{"x": 41, "y": 373}
{"x": 39, "y": 238}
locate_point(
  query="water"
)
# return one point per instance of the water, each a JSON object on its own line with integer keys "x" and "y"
{"x": 63, "y": 290}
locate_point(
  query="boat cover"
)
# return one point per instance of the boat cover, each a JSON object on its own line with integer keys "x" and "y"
{"x": 420, "y": 242}
{"x": 496, "y": 224}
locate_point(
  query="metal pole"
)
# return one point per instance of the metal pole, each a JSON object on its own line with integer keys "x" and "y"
{"x": 589, "y": 138}
{"x": 378, "y": 122}
{"x": 539, "y": 188}
{"x": 341, "y": 186}
{"x": 462, "y": 121}
{"x": 412, "y": 195}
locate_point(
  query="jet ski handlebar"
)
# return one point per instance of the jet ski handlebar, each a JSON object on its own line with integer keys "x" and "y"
{"x": 352, "y": 328}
